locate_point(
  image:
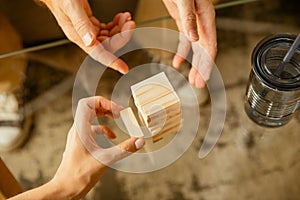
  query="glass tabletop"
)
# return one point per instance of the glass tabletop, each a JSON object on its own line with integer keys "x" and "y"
{"x": 248, "y": 161}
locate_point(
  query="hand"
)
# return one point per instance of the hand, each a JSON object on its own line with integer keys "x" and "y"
{"x": 84, "y": 161}
{"x": 76, "y": 19}
{"x": 196, "y": 20}
{"x": 80, "y": 168}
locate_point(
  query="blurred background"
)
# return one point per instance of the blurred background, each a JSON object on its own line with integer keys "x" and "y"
{"x": 248, "y": 162}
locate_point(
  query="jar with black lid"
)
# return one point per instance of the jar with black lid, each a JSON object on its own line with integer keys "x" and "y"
{"x": 272, "y": 99}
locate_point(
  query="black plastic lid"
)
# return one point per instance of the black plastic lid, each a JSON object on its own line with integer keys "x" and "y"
{"x": 267, "y": 56}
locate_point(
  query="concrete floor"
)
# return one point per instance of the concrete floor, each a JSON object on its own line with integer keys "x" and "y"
{"x": 261, "y": 166}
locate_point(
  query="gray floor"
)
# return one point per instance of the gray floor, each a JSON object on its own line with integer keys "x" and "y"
{"x": 263, "y": 166}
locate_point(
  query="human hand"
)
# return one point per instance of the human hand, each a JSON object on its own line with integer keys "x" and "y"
{"x": 196, "y": 20}
{"x": 81, "y": 27}
{"x": 81, "y": 168}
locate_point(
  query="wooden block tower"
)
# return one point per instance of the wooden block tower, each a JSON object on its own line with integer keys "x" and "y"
{"x": 158, "y": 106}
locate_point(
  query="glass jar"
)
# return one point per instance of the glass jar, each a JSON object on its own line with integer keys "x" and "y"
{"x": 272, "y": 99}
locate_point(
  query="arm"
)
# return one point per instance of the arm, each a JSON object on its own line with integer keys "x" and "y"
{"x": 44, "y": 192}
{"x": 79, "y": 170}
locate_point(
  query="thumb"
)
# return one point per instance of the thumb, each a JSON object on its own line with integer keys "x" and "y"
{"x": 188, "y": 19}
{"x": 122, "y": 150}
{"x": 81, "y": 22}
{"x": 100, "y": 54}
{"x": 132, "y": 145}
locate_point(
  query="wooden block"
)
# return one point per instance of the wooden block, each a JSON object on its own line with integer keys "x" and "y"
{"x": 161, "y": 134}
{"x": 131, "y": 123}
{"x": 150, "y": 93}
{"x": 160, "y": 78}
{"x": 158, "y": 105}
{"x": 160, "y": 114}
{"x": 167, "y": 124}
{"x": 156, "y": 120}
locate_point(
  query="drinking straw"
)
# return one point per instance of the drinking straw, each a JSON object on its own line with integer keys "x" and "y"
{"x": 288, "y": 56}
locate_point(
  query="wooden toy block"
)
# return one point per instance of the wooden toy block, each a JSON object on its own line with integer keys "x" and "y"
{"x": 131, "y": 123}
{"x": 159, "y": 119}
{"x": 158, "y": 105}
{"x": 158, "y": 79}
{"x": 160, "y": 135}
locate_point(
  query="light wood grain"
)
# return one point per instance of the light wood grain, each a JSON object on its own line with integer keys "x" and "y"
{"x": 131, "y": 123}
{"x": 158, "y": 105}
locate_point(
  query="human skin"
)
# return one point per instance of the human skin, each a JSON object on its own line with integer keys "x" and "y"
{"x": 77, "y": 21}
{"x": 79, "y": 170}
{"x": 195, "y": 19}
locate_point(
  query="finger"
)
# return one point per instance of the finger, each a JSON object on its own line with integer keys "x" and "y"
{"x": 182, "y": 51}
{"x": 99, "y": 106}
{"x": 107, "y": 107}
{"x": 119, "y": 40}
{"x": 87, "y": 8}
{"x": 81, "y": 22}
{"x": 116, "y": 29}
{"x": 172, "y": 9}
{"x": 119, "y": 21}
{"x": 97, "y": 29}
{"x": 109, "y": 25}
{"x": 188, "y": 18}
{"x": 103, "y": 26}
{"x": 122, "y": 150}
{"x": 104, "y": 33}
{"x": 116, "y": 19}
{"x": 119, "y": 65}
{"x": 100, "y": 54}
{"x": 132, "y": 145}
{"x": 202, "y": 61}
{"x": 192, "y": 75}
{"x": 126, "y": 30}
{"x": 199, "y": 81}
{"x": 124, "y": 18}
{"x": 102, "y": 38}
{"x": 95, "y": 21}
{"x": 206, "y": 26}
{"x": 103, "y": 130}
{"x": 195, "y": 64}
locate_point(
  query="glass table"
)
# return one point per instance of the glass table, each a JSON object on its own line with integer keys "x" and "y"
{"x": 248, "y": 161}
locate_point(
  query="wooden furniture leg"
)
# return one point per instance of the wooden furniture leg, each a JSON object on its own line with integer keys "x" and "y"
{"x": 9, "y": 186}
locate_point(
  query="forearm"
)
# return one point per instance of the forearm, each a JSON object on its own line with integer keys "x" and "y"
{"x": 47, "y": 191}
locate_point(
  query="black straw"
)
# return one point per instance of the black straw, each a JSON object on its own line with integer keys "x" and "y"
{"x": 288, "y": 56}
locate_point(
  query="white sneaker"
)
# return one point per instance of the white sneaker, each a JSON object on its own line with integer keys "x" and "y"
{"x": 13, "y": 126}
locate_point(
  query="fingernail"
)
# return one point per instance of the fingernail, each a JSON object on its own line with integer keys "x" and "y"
{"x": 193, "y": 35}
{"x": 123, "y": 71}
{"x": 129, "y": 18}
{"x": 87, "y": 39}
{"x": 139, "y": 143}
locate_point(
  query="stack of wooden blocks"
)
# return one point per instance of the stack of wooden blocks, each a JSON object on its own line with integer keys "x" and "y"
{"x": 158, "y": 106}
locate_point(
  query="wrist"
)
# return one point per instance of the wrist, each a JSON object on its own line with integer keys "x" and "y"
{"x": 53, "y": 189}
{"x": 60, "y": 190}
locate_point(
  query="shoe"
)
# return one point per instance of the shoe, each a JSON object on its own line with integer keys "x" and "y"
{"x": 14, "y": 126}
